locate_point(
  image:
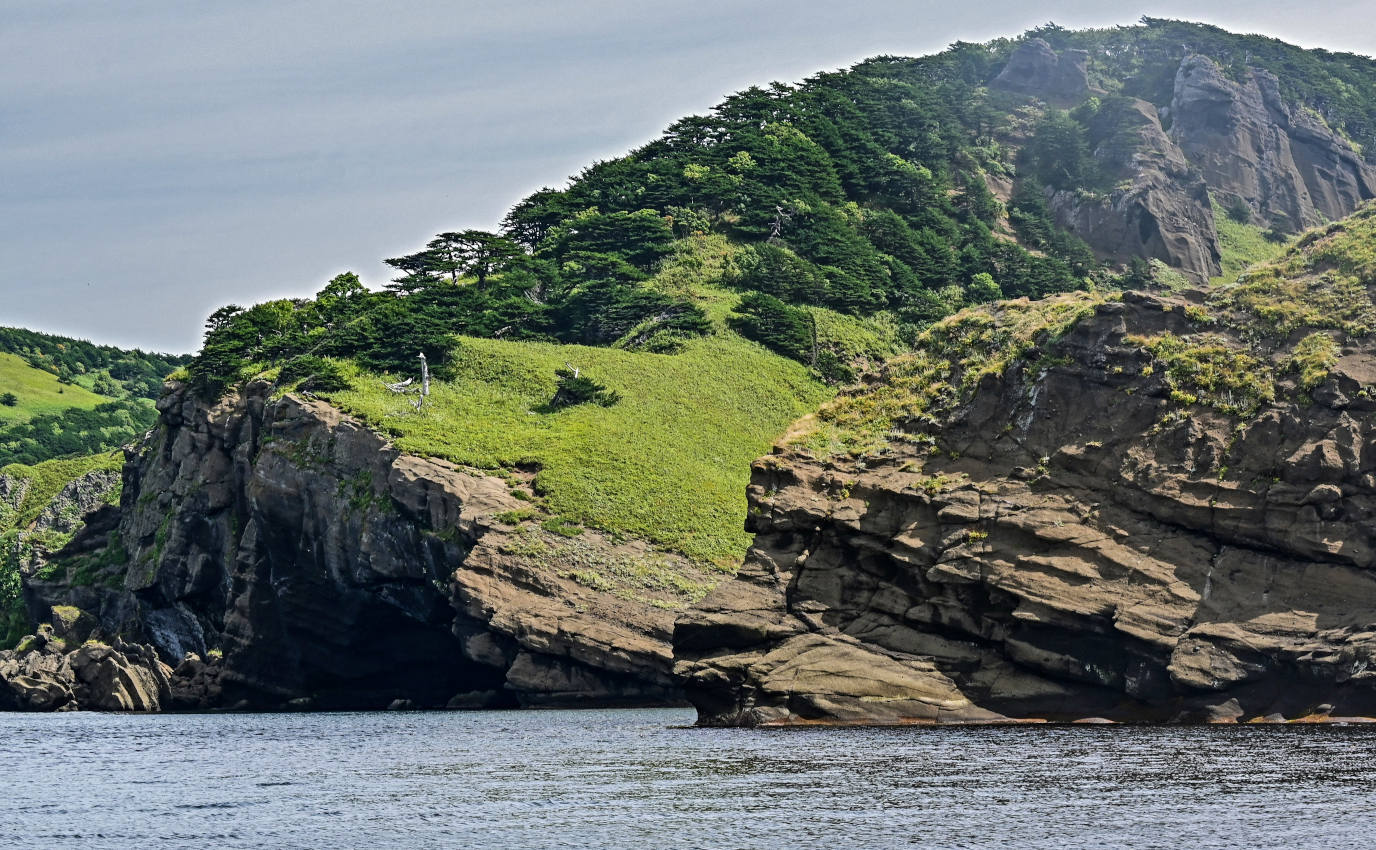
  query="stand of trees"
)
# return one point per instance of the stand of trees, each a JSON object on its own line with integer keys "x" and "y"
{"x": 862, "y": 191}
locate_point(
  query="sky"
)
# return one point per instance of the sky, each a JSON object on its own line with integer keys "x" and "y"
{"x": 160, "y": 158}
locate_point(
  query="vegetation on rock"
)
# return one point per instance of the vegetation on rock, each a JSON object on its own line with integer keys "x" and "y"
{"x": 28, "y": 494}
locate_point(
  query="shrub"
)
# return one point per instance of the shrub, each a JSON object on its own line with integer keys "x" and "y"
{"x": 575, "y": 388}
{"x": 775, "y": 325}
{"x": 314, "y": 374}
{"x": 1239, "y": 211}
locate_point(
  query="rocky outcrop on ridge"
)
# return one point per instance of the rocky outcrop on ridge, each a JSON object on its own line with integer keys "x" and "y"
{"x": 1281, "y": 160}
{"x": 1164, "y": 514}
{"x": 1036, "y": 68}
{"x": 1160, "y": 209}
{"x": 1240, "y": 141}
{"x": 278, "y": 554}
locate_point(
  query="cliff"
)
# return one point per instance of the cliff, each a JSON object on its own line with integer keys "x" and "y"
{"x": 1240, "y": 142}
{"x": 1280, "y": 159}
{"x": 1152, "y": 508}
{"x": 273, "y": 552}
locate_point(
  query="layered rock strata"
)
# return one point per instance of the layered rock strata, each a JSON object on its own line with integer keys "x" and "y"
{"x": 1077, "y": 538}
{"x": 277, "y": 553}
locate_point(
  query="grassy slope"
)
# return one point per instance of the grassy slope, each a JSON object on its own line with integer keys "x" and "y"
{"x": 39, "y": 392}
{"x": 46, "y": 480}
{"x": 1293, "y": 311}
{"x": 1242, "y": 246}
{"x": 669, "y": 463}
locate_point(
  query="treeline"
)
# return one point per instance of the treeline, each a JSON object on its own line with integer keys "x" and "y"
{"x": 865, "y": 191}
{"x": 861, "y": 191}
{"x": 103, "y": 369}
{"x": 76, "y": 432}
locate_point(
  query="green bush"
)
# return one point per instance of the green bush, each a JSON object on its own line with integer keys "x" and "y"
{"x": 576, "y": 388}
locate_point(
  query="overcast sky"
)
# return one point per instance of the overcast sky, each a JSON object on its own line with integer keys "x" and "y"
{"x": 160, "y": 158}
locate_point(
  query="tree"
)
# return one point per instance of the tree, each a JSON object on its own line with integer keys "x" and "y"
{"x": 791, "y": 331}
{"x": 1060, "y": 154}
{"x": 577, "y": 388}
{"x": 983, "y": 288}
{"x": 473, "y": 252}
{"x": 9, "y": 399}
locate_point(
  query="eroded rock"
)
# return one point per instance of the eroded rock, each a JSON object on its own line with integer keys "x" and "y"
{"x": 1075, "y": 543}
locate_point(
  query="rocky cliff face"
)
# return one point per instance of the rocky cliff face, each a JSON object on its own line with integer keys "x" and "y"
{"x": 276, "y": 553}
{"x": 1164, "y": 514}
{"x": 1159, "y": 210}
{"x": 1036, "y": 68}
{"x": 1239, "y": 141}
{"x": 1281, "y": 160}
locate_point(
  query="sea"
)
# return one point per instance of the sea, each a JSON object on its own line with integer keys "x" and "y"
{"x": 646, "y": 779}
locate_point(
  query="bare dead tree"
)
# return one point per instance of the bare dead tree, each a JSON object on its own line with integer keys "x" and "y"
{"x": 405, "y": 387}
{"x": 781, "y": 217}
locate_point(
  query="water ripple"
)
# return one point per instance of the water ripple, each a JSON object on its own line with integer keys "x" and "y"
{"x": 553, "y": 779}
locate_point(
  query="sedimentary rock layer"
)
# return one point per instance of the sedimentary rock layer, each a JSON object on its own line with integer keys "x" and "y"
{"x": 274, "y": 552}
{"x": 1077, "y": 538}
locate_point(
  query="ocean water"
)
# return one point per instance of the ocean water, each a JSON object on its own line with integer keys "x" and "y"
{"x": 640, "y": 779}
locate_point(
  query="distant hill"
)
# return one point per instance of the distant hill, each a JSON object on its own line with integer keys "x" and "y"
{"x": 827, "y": 223}
{"x": 63, "y": 398}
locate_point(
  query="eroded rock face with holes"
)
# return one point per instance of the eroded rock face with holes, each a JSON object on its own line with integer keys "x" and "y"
{"x": 1074, "y": 539}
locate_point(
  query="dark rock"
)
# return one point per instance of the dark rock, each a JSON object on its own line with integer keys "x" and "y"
{"x": 279, "y": 550}
{"x": 1034, "y": 68}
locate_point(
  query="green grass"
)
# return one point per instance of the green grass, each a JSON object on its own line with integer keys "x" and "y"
{"x": 47, "y": 479}
{"x": 669, "y": 463}
{"x": 1242, "y": 246}
{"x": 1211, "y": 370}
{"x": 1321, "y": 282}
{"x": 39, "y": 392}
{"x": 950, "y": 359}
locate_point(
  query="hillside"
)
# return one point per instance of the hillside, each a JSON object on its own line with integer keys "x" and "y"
{"x": 41, "y": 507}
{"x": 960, "y": 542}
{"x": 72, "y": 398}
{"x": 38, "y": 393}
{"x": 498, "y": 478}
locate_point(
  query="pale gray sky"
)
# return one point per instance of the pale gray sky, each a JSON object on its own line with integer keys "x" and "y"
{"x": 159, "y": 158}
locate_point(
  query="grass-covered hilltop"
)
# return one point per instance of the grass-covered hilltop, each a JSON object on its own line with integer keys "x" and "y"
{"x": 499, "y": 478}
{"x": 65, "y": 398}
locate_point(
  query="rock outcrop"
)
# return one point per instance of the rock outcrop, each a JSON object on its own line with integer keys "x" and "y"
{"x": 1153, "y": 517}
{"x": 44, "y": 675}
{"x": 1159, "y": 210}
{"x": 1239, "y": 141}
{"x": 279, "y": 554}
{"x": 1035, "y": 68}
{"x": 1281, "y": 160}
